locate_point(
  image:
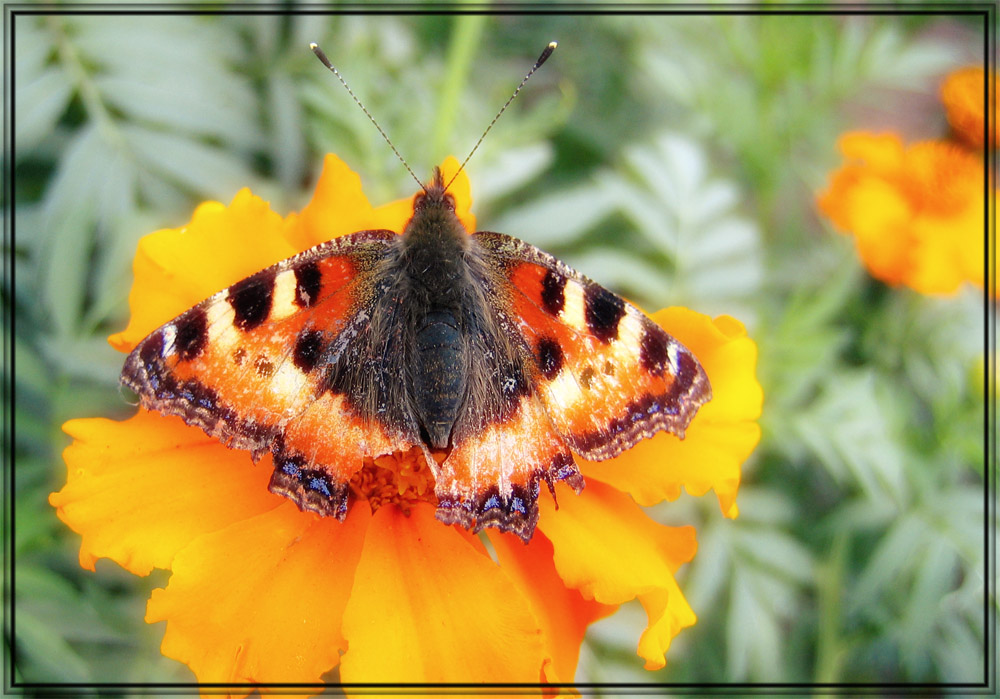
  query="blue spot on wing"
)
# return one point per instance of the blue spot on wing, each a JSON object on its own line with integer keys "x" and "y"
{"x": 493, "y": 503}
{"x": 517, "y": 505}
{"x": 319, "y": 485}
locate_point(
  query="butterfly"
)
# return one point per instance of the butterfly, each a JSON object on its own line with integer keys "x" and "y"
{"x": 479, "y": 349}
{"x": 481, "y": 346}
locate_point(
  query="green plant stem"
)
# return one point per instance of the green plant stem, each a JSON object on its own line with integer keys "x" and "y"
{"x": 829, "y": 587}
{"x": 461, "y": 52}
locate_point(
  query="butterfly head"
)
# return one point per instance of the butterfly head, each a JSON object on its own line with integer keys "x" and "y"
{"x": 434, "y": 196}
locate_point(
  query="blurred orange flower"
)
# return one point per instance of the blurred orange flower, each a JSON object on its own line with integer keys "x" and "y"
{"x": 964, "y": 96}
{"x": 917, "y": 213}
{"x": 261, "y": 592}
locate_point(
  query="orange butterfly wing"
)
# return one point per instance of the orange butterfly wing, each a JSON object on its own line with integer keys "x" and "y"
{"x": 598, "y": 377}
{"x": 250, "y": 366}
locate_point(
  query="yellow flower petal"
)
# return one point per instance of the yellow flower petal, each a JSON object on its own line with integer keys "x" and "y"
{"x": 563, "y": 613}
{"x": 140, "y": 490}
{"x": 262, "y": 600}
{"x": 608, "y": 549}
{"x": 176, "y": 268}
{"x": 722, "y": 434}
{"x": 338, "y": 207}
{"x": 880, "y": 217}
{"x": 429, "y": 605}
{"x": 668, "y": 613}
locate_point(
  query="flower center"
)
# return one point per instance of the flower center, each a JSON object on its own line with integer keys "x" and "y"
{"x": 401, "y": 478}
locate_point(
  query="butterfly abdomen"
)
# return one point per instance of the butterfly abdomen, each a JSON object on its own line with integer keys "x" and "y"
{"x": 439, "y": 375}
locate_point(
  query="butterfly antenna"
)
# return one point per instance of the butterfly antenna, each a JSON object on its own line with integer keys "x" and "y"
{"x": 538, "y": 64}
{"x": 326, "y": 61}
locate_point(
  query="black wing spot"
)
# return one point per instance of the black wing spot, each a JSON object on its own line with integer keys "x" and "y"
{"x": 687, "y": 369}
{"x": 553, "y": 292}
{"x": 191, "y": 334}
{"x": 308, "y": 282}
{"x": 550, "y": 357}
{"x": 251, "y": 300}
{"x": 603, "y": 311}
{"x": 308, "y": 350}
{"x": 653, "y": 350}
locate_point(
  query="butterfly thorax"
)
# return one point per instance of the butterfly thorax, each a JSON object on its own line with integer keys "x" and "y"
{"x": 434, "y": 247}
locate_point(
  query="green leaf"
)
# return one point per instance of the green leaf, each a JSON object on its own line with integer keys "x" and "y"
{"x": 68, "y": 221}
{"x": 846, "y": 431}
{"x": 86, "y": 357}
{"x": 44, "y": 656}
{"x": 39, "y": 102}
{"x": 200, "y": 168}
{"x": 689, "y": 215}
{"x": 286, "y": 137}
{"x": 176, "y": 106}
{"x": 777, "y": 552}
{"x": 901, "y": 544}
{"x": 508, "y": 172}
{"x": 559, "y": 218}
{"x": 710, "y": 573}
{"x": 37, "y": 525}
{"x": 934, "y": 577}
{"x": 619, "y": 270}
{"x": 112, "y": 277}
{"x": 752, "y": 633}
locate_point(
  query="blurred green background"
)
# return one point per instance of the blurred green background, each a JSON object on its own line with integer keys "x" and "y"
{"x": 674, "y": 158}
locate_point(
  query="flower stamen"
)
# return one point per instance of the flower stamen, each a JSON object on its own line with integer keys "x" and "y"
{"x": 401, "y": 478}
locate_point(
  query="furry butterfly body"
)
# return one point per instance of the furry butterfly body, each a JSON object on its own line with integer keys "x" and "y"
{"x": 491, "y": 357}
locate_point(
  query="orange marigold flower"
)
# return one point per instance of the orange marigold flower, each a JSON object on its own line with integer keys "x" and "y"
{"x": 261, "y": 592}
{"x": 963, "y": 95}
{"x": 917, "y": 213}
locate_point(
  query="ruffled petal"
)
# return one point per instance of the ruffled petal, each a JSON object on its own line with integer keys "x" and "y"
{"x": 608, "y": 549}
{"x": 668, "y": 613}
{"x": 262, "y": 600}
{"x": 429, "y": 605}
{"x": 563, "y": 613}
{"x": 917, "y": 212}
{"x": 176, "y": 268}
{"x": 722, "y": 434}
{"x": 338, "y": 207}
{"x": 140, "y": 490}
